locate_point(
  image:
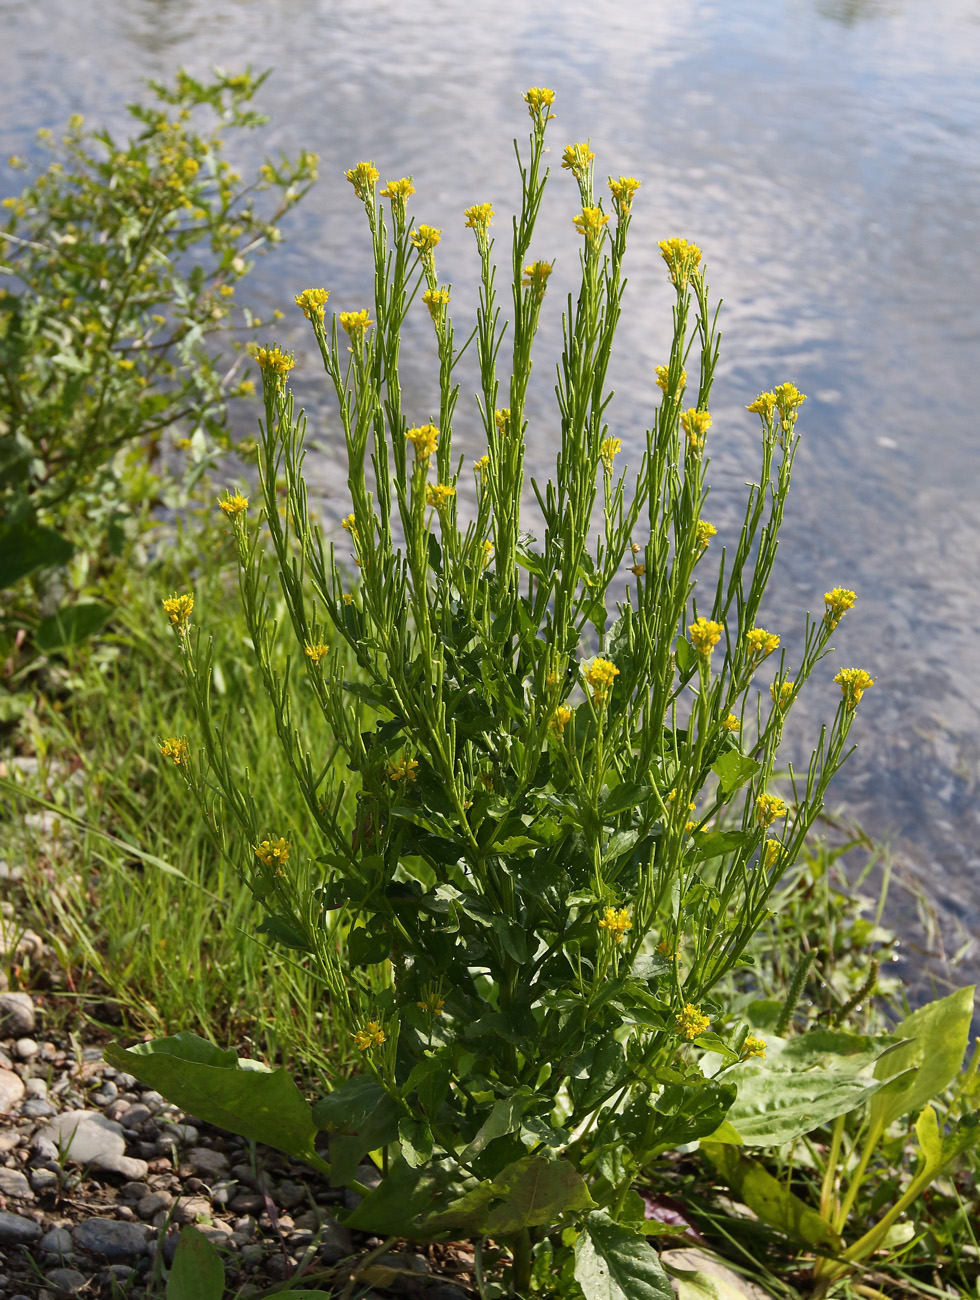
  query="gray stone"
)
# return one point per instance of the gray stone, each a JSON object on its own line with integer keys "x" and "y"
{"x": 13, "y": 1183}
{"x": 335, "y": 1241}
{"x": 154, "y": 1100}
{"x": 137, "y": 1115}
{"x": 124, "y": 1081}
{"x": 56, "y": 1241}
{"x": 15, "y": 1230}
{"x": 118, "y": 1273}
{"x": 184, "y": 1134}
{"x": 43, "y": 1180}
{"x": 191, "y": 1209}
{"x": 67, "y": 1280}
{"x": 247, "y": 1203}
{"x": 289, "y": 1194}
{"x": 17, "y": 1017}
{"x": 38, "y": 1108}
{"x": 44, "y": 1148}
{"x": 110, "y": 1238}
{"x": 207, "y": 1163}
{"x": 11, "y": 1090}
{"x": 125, "y": 1166}
{"x": 86, "y": 1136}
{"x": 27, "y": 1048}
{"x": 152, "y": 1204}
{"x": 369, "y": 1176}
{"x": 36, "y": 1088}
{"x": 108, "y": 1090}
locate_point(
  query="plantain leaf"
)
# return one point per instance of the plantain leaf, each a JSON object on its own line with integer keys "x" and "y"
{"x": 937, "y": 1036}
{"x": 769, "y": 1199}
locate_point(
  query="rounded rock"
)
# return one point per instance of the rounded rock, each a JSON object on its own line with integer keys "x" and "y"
{"x": 86, "y": 1136}
{"x": 15, "y": 1230}
{"x": 67, "y": 1281}
{"x": 11, "y": 1090}
{"x": 17, "y": 1017}
{"x": 56, "y": 1241}
{"x": 110, "y": 1238}
{"x": 208, "y": 1163}
{"x": 27, "y": 1048}
{"x": 14, "y": 1183}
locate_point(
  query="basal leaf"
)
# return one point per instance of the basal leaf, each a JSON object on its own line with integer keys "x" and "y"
{"x": 535, "y": 1191}
{"x": 614, "y": 1263}
{"x": 937, "y": 1036}
{"x": 768, "y": 1198}
{"x": 197, "y": 1272}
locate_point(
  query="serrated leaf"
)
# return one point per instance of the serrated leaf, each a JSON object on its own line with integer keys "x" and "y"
{"x": 613, "y": 1262}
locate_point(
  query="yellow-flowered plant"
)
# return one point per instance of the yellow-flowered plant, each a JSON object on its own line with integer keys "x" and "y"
{"x": 175, "y": 748}
{"x": 234, "y": 504}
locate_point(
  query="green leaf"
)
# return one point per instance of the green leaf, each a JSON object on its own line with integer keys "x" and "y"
{"x": 29, "y": 546}
{"x": 712, "y": 844}
{"x": 504, "y": 1118}
{"x": 197, "y": 1272}
{"x": 733, "y": 770}
{"x": 535, "y": 1191}
{"x": 626, "y": 796}
{"x": 415, "y": 1138}
{"x": 614, "y": 1263}
{"x": 768, "y": 1198}
{"x": 284, "y": 930}
{"x": 367, "y": 945}
{"x": 686, "y": 655}
{"x": 941, "y": 1149}
{"x": 691, "y": 1111}
{"x": 361, "y": 1117}
{"x": 72, "y": 625}
{"x": 242, "y": 1096}
{"x": 938, "y": 1034}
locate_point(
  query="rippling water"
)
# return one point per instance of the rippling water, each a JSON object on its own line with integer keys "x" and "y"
{"x": 825, "y": 155}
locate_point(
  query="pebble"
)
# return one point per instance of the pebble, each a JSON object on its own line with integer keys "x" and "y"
{"x": 37, "y": 1088}
{"x": 11, "y": 1090}
{"x": 13, "y": 1183}
{"x": 56, "y": 1241}
{"x": 67, "y": 1280}
{"x": 17, "y": 1018}
{"x": 186, "y": 1134}
{"x": 289, "y": 1194}
{"x": 208, "y": 1163}
{"x": 247, "y": 1203}
{"x": 137, "y": 1115}
{"x": 43, "y": 1180}
{"x": 38, "y": 1108}
{"x": 87, "y": 1137}
{"x": 27, "y": 1048}
{"x": 126, "y": 1166}
{"x": 110, "y": 1238}
{"x": 151, "y": 1204}
{"x": 15, "y": 1230}
{"x": 190, "y": 1209}
{"x": 335, "y": 1241}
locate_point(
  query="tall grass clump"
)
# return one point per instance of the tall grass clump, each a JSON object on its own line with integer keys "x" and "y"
{"x": 558, "y": 829}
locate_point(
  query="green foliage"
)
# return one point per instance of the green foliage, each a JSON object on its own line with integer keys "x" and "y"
{"x": 197, "y": 1272}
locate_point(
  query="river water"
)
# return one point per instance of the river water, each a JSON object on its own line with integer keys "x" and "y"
{"x": 826, "y": 156}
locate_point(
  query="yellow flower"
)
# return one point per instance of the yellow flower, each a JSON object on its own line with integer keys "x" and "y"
{"x": 576, "y": 159}
{"x": 439, "y": 495}
{"x": 771, "y": 854}
{"x": 227, "y": 290}
{"x": 274, "y": 361}
{"x": 753, "y": 1047}
{"x": 315, "y": 651}
{"x": 246, "y": 388}
{"x": 481, "y": 464}
{"x": 403, "y": 769}
{"x": 731, "y": 723}
{"x": 622, "y": 192}
{"x": 590, "y": 222}
{"x": 425, "y": 239}
{"x": 425, "y": 440}
{"x": 665, "y": 950}
{"x": 432, "y": 1003}
{"x": 372, "y": 1035}
{"x": 356, "y": 324}
{"x": 853, "y": 682}
{"x": 501, "y": 418}
{"x": 663, "y": 378}
{"x": 399, "y": 191}
{"x": 437, "y": 300}
{"x": 763, "y": 405}
{"x": 705, "y": 635}
{"x": 273, "y": 853}
{"x": 536, "y": 277}
{"x": 234, "y": 505}
{"x": 639, "y": 570}
{"x": 768, "y": 807}
{"x": 761, "y": 643}
{"x": 364, "y": 177}
{"x": 487, "y": 552}
{"x": 609, "y": 449}
{"x": 348, "y": 598}
{"x": 478, "y": 217}
{"x": 174, "y": 748}
{"x": 537, "y": 99}
{"x": 313, "y": 303}
{"x": 703, "y": 533}
{"x": 695, "y": 424}
{"x": 838, "y": 602}
{"x": 559, "y": 718}
{"x": 600, "y": 675}
{"x": 616, "y": 922}
{"x": 691, "y": 1022}
{"x": 782, "y": 696}
{"x": 349, "y": 525}
{"x": 178, "y": 610}
{"x": 789, "y": 399}
{"x": 682, "y": 259}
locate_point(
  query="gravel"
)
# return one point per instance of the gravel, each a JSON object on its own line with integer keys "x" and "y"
{"x": 11, "y": 1090}
{"x": 15, "y": 1230}
{"x": 17, "y": 1019}
{"x": 110, "y": 1238}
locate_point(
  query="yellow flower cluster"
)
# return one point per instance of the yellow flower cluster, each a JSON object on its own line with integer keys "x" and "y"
{"x": 432, "y": 1004}
{"x": 481, "y": 464}
{"x": 537, "y": 99}
{"x": 178, "y": 610}
{"x": 234, "y": 505}
{"x": 439, "y": 495}
{"x": 372, "y": 1035}
{"x": 478, "y": 217}
{"x": 349, "y": 525}
{"x": 355, "y": 324}
{"x": 437, "y": 300}
{"x": 789, "y": 399}
{"x": 364, "y": 177}
{"x": 501, "y": 418}
{"x": 609, "y": 449}
{"x": 576, "y": 158}
{"x": 763, "y": 405}
{"x": 731, "y": 723}
{"x": 753, "y": 1047}
{"x": 838, "y": 602}
{"x": 663, "y": 378}
{"x": 315, "y": 651}
{"x": 174, "y": 748}
{"x": 273, "y": 853}
{"x": 771, "y": 854}
{"x": 600, "y": 675}
{"x": 616, "y": 922}
{"x": 487, "y": 553}
{"x": 559, "y": 718}
{"x": 425, "y": 440}
{"x": 853, "y": 682}
{"x": 403, "y": 769}
{"x": 761, "y": 642}
{"x": 590, "y": 223}
{"x": 703, "y": 533}
{"x": 705, "y": 635}
{"x": 691, "y": 1022}
{"x": 399, "y": 191}
{"x": 536, "y": 277}
{"x": 275, "y": 361}
{"x": 425, "y": 238}
{"x": 622, "y": 192}
{"x": 781, "y": 693}
{"x": 695, "y": 424}
{"x": 682, "y": 259}
{"x": 768, "y": 807}
{"x": 313, "y": 303}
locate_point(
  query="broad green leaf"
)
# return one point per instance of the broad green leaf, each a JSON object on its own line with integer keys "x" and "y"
{"x": 691, "y": 1112}
{"x": 768, "y": 1198}
{"x": 535, "y": 1191}
{"x": 242, "y": 1096}
{"x": 197, "y": 1272}
{"x": 415, "y": 1139}
{"x": 614, "y": 1263}
{"x": 938, "y": 1034}
{"x": 626, "y": 796}
{"x": 686, "y": 655}
{"x": 695, "y": 1283}
{"x": 361, "y": 1117}
{"x": 941, "y": 1149}
{"x": 284, "y": 930}
{"x": 733, "y": 770}
{"x": 504, "y": 1118}
{"x": 29, "y": 546}
{"x": 71, "y": 626}
{"x": 425, "y": 1202}
{"x": 712, "y": 844}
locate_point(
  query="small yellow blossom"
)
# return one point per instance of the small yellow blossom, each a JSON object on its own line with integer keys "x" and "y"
{"x": 178, "y": 610}
{"x": 559, "y": 718}
{"x": 399, "y": 191}
{"x": 537, "y": 99}
{"x": 663, "y": 378}
{"x": 536, "y": 277}
{"x": 623, "y": 191}
{"x": 487, "y": 552}
{"x": 174, "y": 748}
{"x": 234, "y": 505}
{"x": 691, "y": 1022}
{"x": 695, "y": 424}
{"x": 439, "y": 495}
{"x": 273, "y": 853}
{"x": 600, "y": 675}
{"x": 481, "y": 464}
{"x": 771, "y": 854}
{"x": 590, "y": 222}
{"x": 731, "y": 723}
{"x": 437, "y": 300}
{"x": 356, "y": 324}
{"x": 274, "y": 361}
{"x": 789, "y": 399}
{"x": 315, "y": 651}
{"x": 432, "y": 1003}
{"x": 576, "y": 158}
{"x": 763, "y": 405}
{"x": 838, "y": 602}
{"x": 364, "y": 177}
{"x": 313, "y": 303}
{"x": 705, "y": 635}
{"x": 425, "y": 239}
{"x": 478, "y": 217}
{"x": 760, "y": 642}
{"x": 682, "y": 259}
{"x": 703, "y": 533}
{"x": 403, "y": 769}
{"x": 616, "y": 922}
{"x": 609, "y": 449}
{"x": 425, "y": 440}
{"x": 665, "y": 950}
{"x": 501, "y": 418}
{"x": 753, "y": 1047}
{"x": 372, "y": 1035}
{"x": 227, "y": 290}
{"x": 349, "y": 525}
{"x": 781, "y": 693}
{"x": 768, "y": 807}
{"x": 853, "y": 682}
{"x": 348, "y": 598}
{"x": 638, "y": 570}
{"x": 246, "y": 388}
